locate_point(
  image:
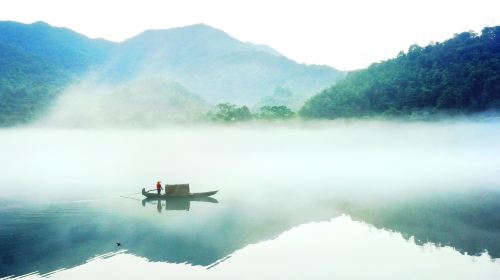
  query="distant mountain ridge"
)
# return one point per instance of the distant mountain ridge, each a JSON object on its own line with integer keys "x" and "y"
{"x": 214, "y": 65}
{"x": 213, "y": 41}
{"x": 206, "y": 61}
{"x": 61, "y": 47}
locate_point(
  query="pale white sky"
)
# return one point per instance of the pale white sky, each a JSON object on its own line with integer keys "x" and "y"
{"x": 346, "y": 34}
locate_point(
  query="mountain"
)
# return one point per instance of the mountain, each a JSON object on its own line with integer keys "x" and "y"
{"x": 189, "y": 42}
{"x": 61, "y": 47}
{"x": 216, "y": 66}
{"x": 460, "y": 75}
{"x": 204, "y": 60}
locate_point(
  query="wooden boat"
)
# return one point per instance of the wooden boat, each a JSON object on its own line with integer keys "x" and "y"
{"x": 176, "y": 191}
{"x": 181, "y": 198}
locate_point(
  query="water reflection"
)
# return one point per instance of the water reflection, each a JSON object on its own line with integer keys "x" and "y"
{"x": 467, "y": 221}
{"x": 46, "y": 237}
{"x": 337, "y": 249}
{"x": 67, "y": 234}
{"x": 175, "y": 203}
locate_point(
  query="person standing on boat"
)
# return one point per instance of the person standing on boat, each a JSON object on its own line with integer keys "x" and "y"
{"x": 158, "y": 187}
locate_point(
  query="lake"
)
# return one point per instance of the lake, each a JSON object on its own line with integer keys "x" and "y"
{"x": 339, "y": 199}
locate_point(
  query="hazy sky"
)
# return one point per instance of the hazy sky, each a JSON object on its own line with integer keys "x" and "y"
{"x": 347, "y": 34}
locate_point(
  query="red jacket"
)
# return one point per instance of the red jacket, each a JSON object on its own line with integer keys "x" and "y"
{"x": 158, "y": 186}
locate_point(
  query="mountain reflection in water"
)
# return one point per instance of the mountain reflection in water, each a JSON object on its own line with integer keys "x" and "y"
{"x": 45, "y": 238}
{"x": 339, "y": 249}
{"x": 468, "y": 221}
{"x": 48, "y": 237}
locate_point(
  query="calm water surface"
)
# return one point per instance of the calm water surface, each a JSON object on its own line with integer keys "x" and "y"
{"x": 346, "y": 200}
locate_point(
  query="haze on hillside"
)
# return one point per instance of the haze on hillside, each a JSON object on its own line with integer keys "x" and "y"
{"x": 147, "y": 102}
{"x": 56, "y": 76}
{"x": 209, "y": 65}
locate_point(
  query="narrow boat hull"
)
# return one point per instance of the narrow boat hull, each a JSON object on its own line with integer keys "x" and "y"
{"x": 187, "y": 195}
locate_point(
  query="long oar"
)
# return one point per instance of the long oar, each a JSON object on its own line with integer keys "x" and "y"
{"x": 140, "y": 192}
{"x": 130, "y": 198}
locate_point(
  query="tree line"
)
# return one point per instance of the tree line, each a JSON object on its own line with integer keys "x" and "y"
{"x": 460, "y": 75}
{"x": 227, "y": 112}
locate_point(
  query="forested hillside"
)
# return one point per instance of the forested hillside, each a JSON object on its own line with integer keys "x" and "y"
{"x": 27, "y": 85}
{"x": 460, "y": 75}
{"x": 36, "y": 62}
{"x": 39, "y": 61}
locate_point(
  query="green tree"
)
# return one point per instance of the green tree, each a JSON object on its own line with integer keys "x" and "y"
{"x": 275, "y": 113}
{"x": 228, "y": 112}
{"x": 460, "y": 75}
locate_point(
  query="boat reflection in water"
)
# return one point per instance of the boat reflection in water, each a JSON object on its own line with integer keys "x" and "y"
{"x": 175, "y": 203}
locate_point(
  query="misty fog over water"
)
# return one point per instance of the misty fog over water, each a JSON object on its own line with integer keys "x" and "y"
{"x": 76, "y": 191}
{"x": 305, "y": 159}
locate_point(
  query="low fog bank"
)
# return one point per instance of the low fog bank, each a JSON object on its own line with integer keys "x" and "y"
{"x": 316, "y": 160}
{"x": 145, "y": 102}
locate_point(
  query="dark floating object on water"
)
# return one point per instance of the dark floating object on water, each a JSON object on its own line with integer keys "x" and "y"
{"x": 176, "y": 191}
{"x": 118, "y": 244}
